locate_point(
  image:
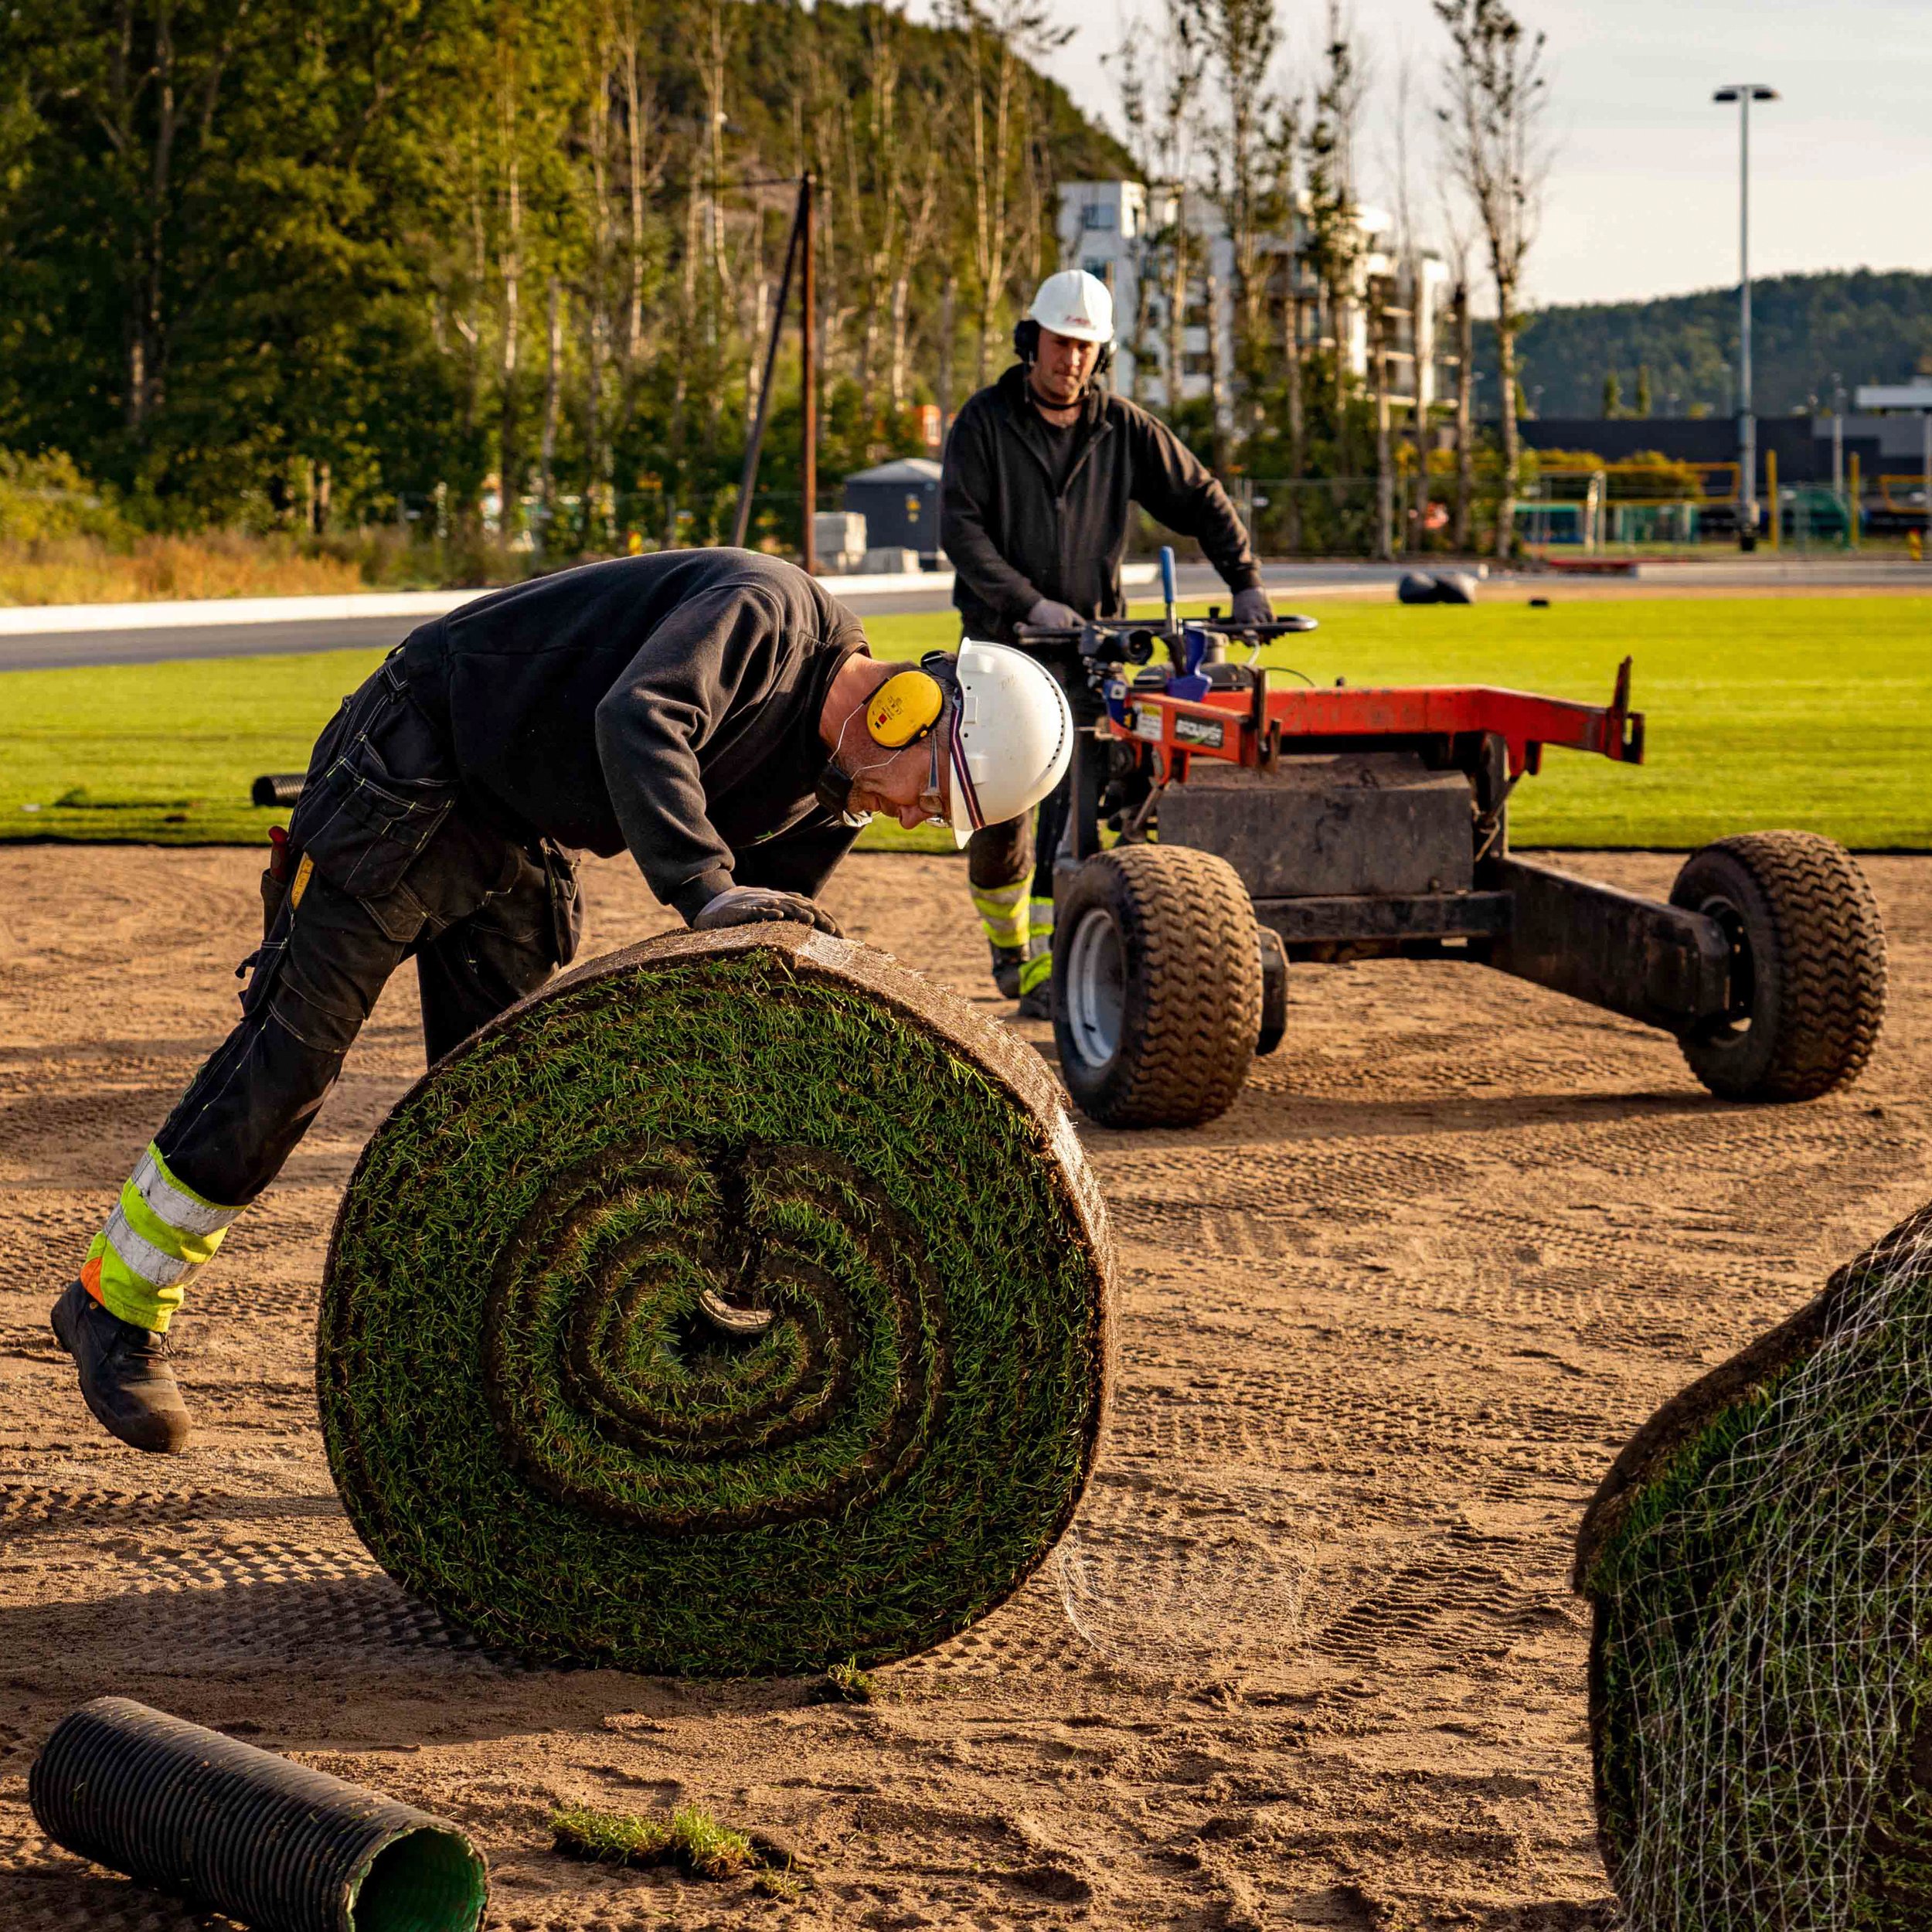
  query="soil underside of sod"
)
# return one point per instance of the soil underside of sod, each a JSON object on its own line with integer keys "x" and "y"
{"x": 569, "y": 1448}
{"x": 1760, "y": 1560}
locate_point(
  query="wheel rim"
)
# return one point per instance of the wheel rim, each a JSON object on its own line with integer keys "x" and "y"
{"x": 1095, "y": 986}
{"x": 1735, "y": 1022}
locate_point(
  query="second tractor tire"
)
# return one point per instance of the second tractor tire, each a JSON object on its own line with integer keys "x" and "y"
{"x": 1274, "y": 992}
{"x": 1807, "y": 976}
{"x": 1157, "y": 986}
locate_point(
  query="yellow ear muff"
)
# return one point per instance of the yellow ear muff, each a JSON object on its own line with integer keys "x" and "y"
{"x": 904, "y": 709}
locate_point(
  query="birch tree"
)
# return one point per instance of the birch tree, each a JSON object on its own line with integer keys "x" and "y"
{"x": 1241, "y": 39}
{"x": 1333, "y": 248}
{"x": 1002, "y": 40}
{"x": 1497, "y": 94}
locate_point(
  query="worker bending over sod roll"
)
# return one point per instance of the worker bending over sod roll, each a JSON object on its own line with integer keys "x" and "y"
{"x": 770, "y": 1317}
{"x": 1760, "y": 1561}
{"x": 714, "y": 711}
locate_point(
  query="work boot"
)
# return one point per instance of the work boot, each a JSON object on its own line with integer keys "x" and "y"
{"x": 125, "y": 1375}
{"x": 1038, "y": 1004}
{"x": 1007, "y": 962}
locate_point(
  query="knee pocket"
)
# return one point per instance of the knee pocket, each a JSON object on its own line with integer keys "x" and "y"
{"x": 325, "y": 1018}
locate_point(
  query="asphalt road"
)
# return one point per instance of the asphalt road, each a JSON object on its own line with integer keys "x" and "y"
{"x": 47, "y": 650}
{"x": 54, "y": 649}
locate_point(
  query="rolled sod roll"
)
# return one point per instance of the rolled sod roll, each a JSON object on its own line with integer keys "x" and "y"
{"x": 1759, "y": 1560}
{"x": 738, "y": 1305}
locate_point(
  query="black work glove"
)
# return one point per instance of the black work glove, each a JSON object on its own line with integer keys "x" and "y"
{"x": 1252, "y": 607}
{"x": 1049, "y": 614}
{"x": 753, "y": 905}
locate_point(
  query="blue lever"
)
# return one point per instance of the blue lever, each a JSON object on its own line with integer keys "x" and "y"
{"x": 1167, "y": 581}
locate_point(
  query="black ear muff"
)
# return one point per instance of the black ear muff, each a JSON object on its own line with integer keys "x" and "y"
{"x": 1026, "y": 347}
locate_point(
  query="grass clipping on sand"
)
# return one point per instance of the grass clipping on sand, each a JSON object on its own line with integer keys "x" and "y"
{"x": 738, "y": 1305}
{"x": 690, "y": 1839}
{"x": 1760, "y": 1561}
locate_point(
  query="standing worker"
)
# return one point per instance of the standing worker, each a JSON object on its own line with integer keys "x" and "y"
{"x": 714, "y": 711}
{"x": 1040, "y": 471}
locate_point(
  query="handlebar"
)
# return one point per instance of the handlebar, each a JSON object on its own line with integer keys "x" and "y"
{"x": 1136, "y": 637}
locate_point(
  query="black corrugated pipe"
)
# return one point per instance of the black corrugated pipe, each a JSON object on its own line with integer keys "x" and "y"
{"x": 241, "y": 1831}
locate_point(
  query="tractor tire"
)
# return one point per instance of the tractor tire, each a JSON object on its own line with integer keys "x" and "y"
{"x": 1157, "y": 986}
{"x": 1274, "y": 992}
{"x": 1808, "y": 974}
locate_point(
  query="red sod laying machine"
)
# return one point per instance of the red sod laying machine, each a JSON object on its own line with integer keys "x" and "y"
{"x": 1333, "y": 823}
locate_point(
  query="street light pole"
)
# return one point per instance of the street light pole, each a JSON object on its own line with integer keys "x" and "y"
{"x": 1744, "y": 93}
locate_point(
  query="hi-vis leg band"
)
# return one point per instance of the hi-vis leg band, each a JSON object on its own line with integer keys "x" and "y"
{"x": 159, "y": 1236}
{"x": 1002, "y": 911}
{"x": 1038, "y": 968}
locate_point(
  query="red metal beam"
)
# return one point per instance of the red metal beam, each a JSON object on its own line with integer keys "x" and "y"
{"x": 1525, "y": 722}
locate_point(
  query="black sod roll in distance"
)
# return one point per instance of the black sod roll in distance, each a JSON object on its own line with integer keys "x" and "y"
{"x": 738, "y": 1305}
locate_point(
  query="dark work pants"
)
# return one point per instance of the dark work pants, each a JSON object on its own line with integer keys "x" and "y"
{"x": 395, "y": 868}
{"x": 1002, "y": 855}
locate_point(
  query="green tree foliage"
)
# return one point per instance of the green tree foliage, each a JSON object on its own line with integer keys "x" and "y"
{"x": 1806, "y": 331}
{"x": 259, "y": 259}
{"x": 44, "y": 497}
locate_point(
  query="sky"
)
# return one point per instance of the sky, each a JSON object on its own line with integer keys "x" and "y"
{"x": 1643, "y": 189}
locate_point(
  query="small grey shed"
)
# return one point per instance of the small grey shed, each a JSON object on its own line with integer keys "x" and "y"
{"x": 899, "y": 501}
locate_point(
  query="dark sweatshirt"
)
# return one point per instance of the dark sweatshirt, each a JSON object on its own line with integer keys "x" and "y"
{"x": 669, "y": 703}
{"x": 1016, "y": 532}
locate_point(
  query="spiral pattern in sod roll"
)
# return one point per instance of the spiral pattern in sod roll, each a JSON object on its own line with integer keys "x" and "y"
{"x": 737, "y": 1305}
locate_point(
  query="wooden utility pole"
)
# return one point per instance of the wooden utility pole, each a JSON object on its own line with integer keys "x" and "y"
{"x": 808, "y": 373}
{"x": 754, "y": 446}
{"x": 1384, "y": 449}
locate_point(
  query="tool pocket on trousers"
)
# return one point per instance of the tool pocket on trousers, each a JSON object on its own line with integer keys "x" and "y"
{"x": 368, "y": 815}
{"x": 263, "y": 967}
{"x": 566, "y": 904}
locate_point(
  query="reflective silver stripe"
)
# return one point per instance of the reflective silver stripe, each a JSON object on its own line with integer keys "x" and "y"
{"x": 141, "y": 1256}
{"x": 181, "y": 1212}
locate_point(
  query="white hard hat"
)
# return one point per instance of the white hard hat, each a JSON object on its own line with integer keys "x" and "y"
{"x": 1011, "y": 737}
{"x": 1074, "y": 302}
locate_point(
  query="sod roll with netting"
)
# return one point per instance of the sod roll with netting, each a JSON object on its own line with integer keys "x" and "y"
{"x": 1760, "y": 1561}
{"x": 738, "y": 1305}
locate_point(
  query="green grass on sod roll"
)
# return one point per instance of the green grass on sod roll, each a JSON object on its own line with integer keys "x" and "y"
{"x": 538, "y": 1422}
{"x": 1760, "y": 1561}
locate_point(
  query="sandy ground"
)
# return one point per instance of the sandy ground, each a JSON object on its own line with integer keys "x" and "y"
{"x": 1309, "y": 1659}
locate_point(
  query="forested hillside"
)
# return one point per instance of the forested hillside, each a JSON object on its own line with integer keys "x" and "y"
{"x": 1807, "y": 331}
{"x": 332, "y": 254}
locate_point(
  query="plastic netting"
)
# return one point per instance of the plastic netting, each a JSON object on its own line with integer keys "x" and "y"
{"x": 1763, "y": 1612}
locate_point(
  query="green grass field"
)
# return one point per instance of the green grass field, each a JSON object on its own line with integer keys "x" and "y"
{"x": 1812, "y": 712}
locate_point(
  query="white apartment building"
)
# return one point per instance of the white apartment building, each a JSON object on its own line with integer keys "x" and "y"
{"x": 1120, "y": 231}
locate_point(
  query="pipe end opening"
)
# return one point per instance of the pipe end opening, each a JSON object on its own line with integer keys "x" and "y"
{"x": 429, "y": 1879}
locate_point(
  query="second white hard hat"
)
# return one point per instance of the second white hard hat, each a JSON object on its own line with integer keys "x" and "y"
{"x": 1010, "y": 739}
{"x": 1074, "y": 302}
